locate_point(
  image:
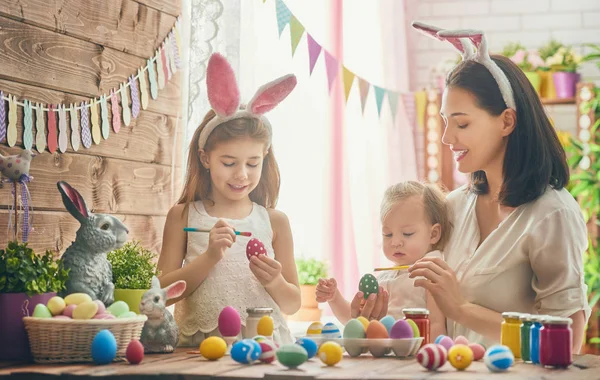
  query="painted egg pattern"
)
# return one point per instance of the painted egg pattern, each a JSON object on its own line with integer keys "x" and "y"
{"x": 331, "y": 331}
{"x": 314, "y": 329}
{"x": 292, "y": 355}
{"x": 245, "y": 351}
{"x": 460, "y": 356}
{"x": 309, "y": 345}
{"x": 498, "y": 358}
{"x": 255, "y": 247}
{"x": 376, "y": 330}
{"x": 415, "y": 328}
{"x": 432, "y": 356}
{"x": 402, "y": 330}
{"x": 268, "y": 350}
{"x": 330, "y": 353}
{"x": 445, "y": 341}
{"x": 368, "y": 285}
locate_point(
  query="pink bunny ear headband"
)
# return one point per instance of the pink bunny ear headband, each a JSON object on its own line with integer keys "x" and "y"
{"x": 224, "y": 96}
{"x": 471, "y": 45}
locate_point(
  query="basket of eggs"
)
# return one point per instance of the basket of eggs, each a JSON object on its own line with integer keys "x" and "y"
{"x": 62, "y": 331}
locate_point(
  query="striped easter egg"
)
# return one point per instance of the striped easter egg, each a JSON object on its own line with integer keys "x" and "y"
{"x": 331, "y": 331}
{"x": 268, "y": 350}
{"x": 246, "y": 351}
{"x": 432, "y": 356}
{"x": 498, "y": 358}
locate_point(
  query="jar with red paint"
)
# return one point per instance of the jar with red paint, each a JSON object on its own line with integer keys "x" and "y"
{"x": 421, "y": 318}
{"x": 556, "y": 342}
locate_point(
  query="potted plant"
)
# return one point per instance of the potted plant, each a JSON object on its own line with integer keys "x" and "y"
{"x": 547, "y": 89}
{"x": 309, "y": 272}
{"x": 529, "y": 61}
{"x": 26, "y": 279}
{"x": 133, "y": 267}
{"x": 564, "y": 64}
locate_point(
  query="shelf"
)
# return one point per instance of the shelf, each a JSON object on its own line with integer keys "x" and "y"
{"x": 558, "y": 101}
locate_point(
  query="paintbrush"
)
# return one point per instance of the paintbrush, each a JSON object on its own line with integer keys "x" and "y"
{"x": 193, "y": 229}
{"x": 393, "y": 268}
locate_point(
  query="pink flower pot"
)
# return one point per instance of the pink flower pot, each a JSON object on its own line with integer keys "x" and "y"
{"x": 565, "y": 84}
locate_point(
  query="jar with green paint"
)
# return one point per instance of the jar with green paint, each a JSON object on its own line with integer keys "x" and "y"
{"x": 526, "y": 323}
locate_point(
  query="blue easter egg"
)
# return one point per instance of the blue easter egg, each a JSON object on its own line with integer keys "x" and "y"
{"x": 246, "y": 351}
{"x": 331, "y": 331}
{"x": 498, "y": 358}
{"x": 104, "y": 347}
{"x": 309, "y": 345}
{"x": 438, "y": 339}
{"x": 388, "y": 321}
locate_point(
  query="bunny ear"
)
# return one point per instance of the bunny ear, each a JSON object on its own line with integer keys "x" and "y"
{"x": 468, "y": 39}
{"x": 271, "y": 94}
{"x": 463, "y": 45}
{"x": 223, "y": 91}
{"x": 428, "y": 30}
{"x": 155, "y": 282}
{"x": 176, "y": 289}
{"x": 73, "y": 201}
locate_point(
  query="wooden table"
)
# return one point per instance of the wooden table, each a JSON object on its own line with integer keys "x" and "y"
{"x": 181, "y": 365}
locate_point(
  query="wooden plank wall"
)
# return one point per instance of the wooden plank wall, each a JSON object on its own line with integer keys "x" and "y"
{"x": 68, "y": 51}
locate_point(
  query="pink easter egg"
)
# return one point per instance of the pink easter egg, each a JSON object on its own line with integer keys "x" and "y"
{"x": 255, "y": 247}
{"x": 104, "y": 316}
{"x": 461, "y": 340}
{"x": 401, "y": 330}
{"x": 61, "y": 317}
{"x": 69, "y": 310}
{"x": 432, "y": 356}
{"x": 101, "y": 307}
{"x": 447, "y": 342}
{"x": 478, "y": 351}
{"x": 230, "y": 323}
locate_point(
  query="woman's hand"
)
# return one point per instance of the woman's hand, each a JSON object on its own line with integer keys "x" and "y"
{"x": 265, "y": 269}
{"x": 375, "y": 307}
{"x": 440, "y": 280}
{"x": 221, "y": 237}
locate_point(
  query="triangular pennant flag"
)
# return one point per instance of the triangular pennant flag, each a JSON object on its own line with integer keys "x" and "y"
{"x": 393, "y": 99}
{"x": 421, "y": 103}
{"x": 348, "y": 77}
{"x": 283, "y": 15}
{"x": 314, "y": 50}
{"x": 332, "y": 66}
{"x": 296, "y": 31}
{"x": 363, "y": 87}
{"x": 379, "y": 95}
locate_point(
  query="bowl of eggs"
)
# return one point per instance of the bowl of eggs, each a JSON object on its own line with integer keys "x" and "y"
{"x": 379, "y": 338}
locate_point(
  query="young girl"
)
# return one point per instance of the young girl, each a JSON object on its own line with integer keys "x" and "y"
{"x": 415, "y": 223}
{"x": 232, "y": 184}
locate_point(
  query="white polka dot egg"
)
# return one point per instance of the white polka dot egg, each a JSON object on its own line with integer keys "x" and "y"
{"x": 255, "y": 247}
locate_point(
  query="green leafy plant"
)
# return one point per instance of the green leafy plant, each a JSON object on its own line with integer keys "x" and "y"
{"x": 310, "y": 270}
{"x": 133, "y": 266}
{"x": 511, "y": 48}
{"x": 548, "y": 50}
{"x": 565, "y": 59}
{"x": 22, "y": 271}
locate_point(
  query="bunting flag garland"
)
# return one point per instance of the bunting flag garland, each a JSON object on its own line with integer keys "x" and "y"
{"x": 283, "y": 15}
{"x": 89, "y": 121}
{"x": 314, "y": 50}
{"x": 332, "y": 67}
{"x": 363, "y": 87}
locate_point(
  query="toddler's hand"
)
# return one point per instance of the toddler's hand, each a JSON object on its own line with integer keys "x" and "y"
{"x": 265, "y": 269}
{"x": 222, "y": 236}
{"x": 326, "y": 289}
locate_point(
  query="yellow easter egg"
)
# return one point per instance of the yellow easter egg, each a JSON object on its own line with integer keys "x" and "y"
{"x": 265, "y": 326}
{"x": 56, "y": 305}
{"x": 77, "y": 298}
{"x": 330, "y": 353}
{"x": 315, "y": 328}
{"x": 213, "y": 348}
{"x": 85, "y": 310}
{"x": 364, "y": 321}
{"x": 460, "y": 356}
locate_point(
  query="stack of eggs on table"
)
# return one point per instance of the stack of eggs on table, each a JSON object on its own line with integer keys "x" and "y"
{"x": 81, "y": 306}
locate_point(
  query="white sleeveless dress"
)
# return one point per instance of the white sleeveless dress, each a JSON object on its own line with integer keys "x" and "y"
{"x": 230, "y": 282}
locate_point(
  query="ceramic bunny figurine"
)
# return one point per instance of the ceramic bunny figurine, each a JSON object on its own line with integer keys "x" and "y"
{"x": 160, "y": 333}
{"x": 91, "y": 272}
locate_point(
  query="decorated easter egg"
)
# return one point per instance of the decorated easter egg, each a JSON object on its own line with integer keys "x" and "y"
{"x": 101, "y": 307}
{"x": 402, "y": 330}
{"x": 85, "y": 310}
{"x": 255, "y": 247}
{"x": 245, "y": 351}
{"x": 104, "y": 316}
{"x": 135, "y": 352}
{"x": 445, "y": 341}
{"x": 330, "y": 353}
{"x": 259, "y": 338}
{"x": 478, "y": 351}
{"x": 309, "y": 345}
{"x": 460, "y": 356}
{"x": 77, "y": 298}
{"x": 69, "y": 310}
{"x": 354, "y": 329}
{"x": 314, "y": 329}
{"x": 331, "y": 331}
{"x": 56, "y": 305}
{"x": 376, "y": 330}
{"x": 368, "y": 285}
{"x": 129, "y": 314}
{"x": 118, "y": 308}
{"x": 61, "y": 317}
{"x": 292, "y": 355}
{"x": 415, "y": 328}
{"x": 461, "y": 340}
{"x": 498, "y": 358}
{"x": 213, "y": 348}
{"x": 432, "y": 356}
{"x": 265, "y": 326}
{"x": 388, "y": 321}
{"x": 268, "y": 349}
{"x": 364, "y": 321}
{"x": 104, "y": 347}
{"x": 41, "y": 311}
{"x": 230, "y": 323}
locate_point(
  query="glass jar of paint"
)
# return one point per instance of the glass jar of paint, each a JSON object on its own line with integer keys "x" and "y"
{"x": 534, "y": 338}
{"x": 254, "y": 315}
{"x": 556, "y": 342}
{"x": 421, "y": 318}
{"x": 510, "y": 333}
{"x": 526, "y": 324}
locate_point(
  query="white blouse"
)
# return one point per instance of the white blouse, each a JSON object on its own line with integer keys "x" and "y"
{"x": 531, "y": 263}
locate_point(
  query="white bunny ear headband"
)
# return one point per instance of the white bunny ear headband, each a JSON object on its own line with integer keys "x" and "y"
{"x": 471, "y": 45}
{"x": 224, "y": 96}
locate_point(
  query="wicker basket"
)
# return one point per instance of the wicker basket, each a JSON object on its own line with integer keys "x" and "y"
{"x": 70, "y": 340}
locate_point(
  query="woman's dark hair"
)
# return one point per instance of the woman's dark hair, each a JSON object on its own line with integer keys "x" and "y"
{"x": 534, "y": 157}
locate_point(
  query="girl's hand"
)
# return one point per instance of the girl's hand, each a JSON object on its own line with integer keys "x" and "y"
{"x": 375, "y": 307}
{"x": 222, "y": 236}
{"x": 265, "y": 269}
{"x": 326, "y": 289}
{"x": 440, "y": 280}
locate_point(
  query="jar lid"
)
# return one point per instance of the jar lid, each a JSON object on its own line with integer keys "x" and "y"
{"x": 415, "y": 311}
{"x": 259, "y": 310}
{"x": 526, "y": 317}
{"x": 551, "y": 320}
{"x": 511, "y": 314}
{"x": 538, "y": 317}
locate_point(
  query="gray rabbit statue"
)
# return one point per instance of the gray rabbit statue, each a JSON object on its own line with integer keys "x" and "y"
{"x": 160, "y": 333}
{"x": 91, "y": 272}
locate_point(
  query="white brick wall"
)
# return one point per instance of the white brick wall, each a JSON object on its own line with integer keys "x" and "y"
{"x": 531, "y": 22}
